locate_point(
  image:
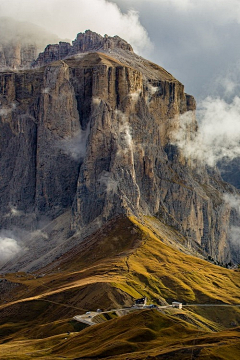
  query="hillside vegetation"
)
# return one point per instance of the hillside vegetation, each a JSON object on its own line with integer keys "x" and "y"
{"x": 124, "y": 260}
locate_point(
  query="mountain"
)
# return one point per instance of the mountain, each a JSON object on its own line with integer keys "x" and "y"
{"x": 91, "y": 136}
{"x": 100, "y": 207}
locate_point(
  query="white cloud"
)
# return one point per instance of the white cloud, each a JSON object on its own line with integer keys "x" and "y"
{"x": 9, "y": 248}
{"x": 68, "y": 19}
{"x": 218, "y": 135}
{"x": 135, "y": 95}
{"x": 235, "y": 239}
{"x": 125, "y": 143}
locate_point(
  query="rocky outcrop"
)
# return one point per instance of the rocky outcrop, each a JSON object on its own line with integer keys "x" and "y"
{"x": 17, "y": 56}
{"x": 93, "y": 134}
{"x": 84, "y": 42}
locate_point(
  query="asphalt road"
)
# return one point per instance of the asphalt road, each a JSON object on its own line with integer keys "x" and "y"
{"x": 88, "y": 317}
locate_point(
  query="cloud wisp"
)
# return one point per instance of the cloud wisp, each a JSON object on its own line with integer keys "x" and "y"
{"x": 75, "y": 146}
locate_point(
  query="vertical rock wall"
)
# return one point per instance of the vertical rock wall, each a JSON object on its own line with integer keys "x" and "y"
{"x": 94, "y": 135}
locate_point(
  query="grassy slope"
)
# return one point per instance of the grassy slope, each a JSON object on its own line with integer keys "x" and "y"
{"x": 122, "y": 261}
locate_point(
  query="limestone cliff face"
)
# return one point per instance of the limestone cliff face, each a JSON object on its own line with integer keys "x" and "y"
{"x": 93, "y": 134}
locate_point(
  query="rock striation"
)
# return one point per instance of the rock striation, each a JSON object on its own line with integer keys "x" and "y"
{"x": 91, "y": 136}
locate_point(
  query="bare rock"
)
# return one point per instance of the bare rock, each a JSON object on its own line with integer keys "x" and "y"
{"x": 84, "y": 42}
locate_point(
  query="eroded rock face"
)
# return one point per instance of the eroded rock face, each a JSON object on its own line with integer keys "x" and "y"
{"x": 93, "y": 133}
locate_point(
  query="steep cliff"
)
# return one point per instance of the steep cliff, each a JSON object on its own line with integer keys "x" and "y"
{"x": 93, "y": 134}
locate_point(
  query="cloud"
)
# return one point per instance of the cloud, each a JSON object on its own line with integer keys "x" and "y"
{"x": 152, "y": 89}
{"x": 135, "y": 96}
{"x": 226, "y": 85}
{"x": 13, "y": 31}
{"x": 101, "y": 16}
{"x": 76, "y": 145}
{"x": 9, "y": 247}
{"x": 125, "y": 142}
{"x": 197, "y": 41}
{"x": 235, "y": 239}
{"x": 233, "y": 201}
{"x": 218, "y": 136}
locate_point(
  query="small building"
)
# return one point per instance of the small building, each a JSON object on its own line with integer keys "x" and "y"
{"x": 177, "y": 305}
{"x": 141, "y": 302}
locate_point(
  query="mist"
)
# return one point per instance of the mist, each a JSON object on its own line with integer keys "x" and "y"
{"x": 13, "y": 31}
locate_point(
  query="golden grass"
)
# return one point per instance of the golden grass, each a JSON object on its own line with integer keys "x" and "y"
{"x": 126, "y": 259}
{"x": 135, "y": 336}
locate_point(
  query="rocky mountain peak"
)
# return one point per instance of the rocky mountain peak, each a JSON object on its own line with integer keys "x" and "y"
{"x": 90, "y": 40}
{"x": 85, "y": 42}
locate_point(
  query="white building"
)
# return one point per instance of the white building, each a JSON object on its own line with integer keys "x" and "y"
{"x": 141, "y": 302}
{"x": 176, "y": 304}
